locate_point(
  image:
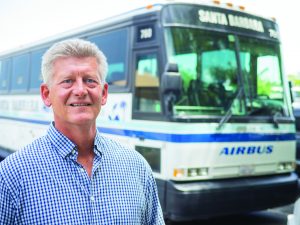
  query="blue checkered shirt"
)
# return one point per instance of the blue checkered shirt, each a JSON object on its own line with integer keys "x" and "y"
{"x": 43, "y": 184}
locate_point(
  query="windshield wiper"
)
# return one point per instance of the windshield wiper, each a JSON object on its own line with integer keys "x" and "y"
{"x": 228, "y": 113}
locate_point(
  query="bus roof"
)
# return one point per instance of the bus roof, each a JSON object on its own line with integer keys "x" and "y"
{"x": 125, "y": 17}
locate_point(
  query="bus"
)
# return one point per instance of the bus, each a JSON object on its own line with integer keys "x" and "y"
{"x": 198, "y": 89}
{"x": 295, "y": 93}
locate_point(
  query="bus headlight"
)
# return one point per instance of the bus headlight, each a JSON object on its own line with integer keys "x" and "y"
{"x": 286, "y": 166}
{"x": 190, "y": 172}
{"x": 179, "y": 173}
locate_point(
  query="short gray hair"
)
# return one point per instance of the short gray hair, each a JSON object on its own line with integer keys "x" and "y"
{"x": 72, "y": 48}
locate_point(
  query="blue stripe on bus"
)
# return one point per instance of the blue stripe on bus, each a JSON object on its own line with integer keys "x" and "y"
{"x": 42, "y": 122}
{"x": 182, "y": 138}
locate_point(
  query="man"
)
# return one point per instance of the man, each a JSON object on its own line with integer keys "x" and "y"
{"x": 73, "y": 175}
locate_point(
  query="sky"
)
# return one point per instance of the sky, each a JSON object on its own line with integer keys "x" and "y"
{"x": 27, "y": 21}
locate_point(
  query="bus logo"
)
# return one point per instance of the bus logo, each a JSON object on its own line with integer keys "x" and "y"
{"x": 247, "y": 150}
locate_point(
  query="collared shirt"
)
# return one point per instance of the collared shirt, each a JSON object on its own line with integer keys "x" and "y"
{"x": 44, "y": 184}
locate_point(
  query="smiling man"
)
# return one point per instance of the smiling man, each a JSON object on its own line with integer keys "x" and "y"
{"x": 74, "y": 175}
{"x": 76, "y": 93}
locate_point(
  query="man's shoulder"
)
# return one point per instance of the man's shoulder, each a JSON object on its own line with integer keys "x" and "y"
{"x": 24, "y": 158}
{"x": 115, "y": 147}
{"x": 123, "y": 153}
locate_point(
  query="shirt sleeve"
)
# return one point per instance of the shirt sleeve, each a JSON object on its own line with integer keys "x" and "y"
{"x": 154, "y": 215}
{"x": 7, "y": 209}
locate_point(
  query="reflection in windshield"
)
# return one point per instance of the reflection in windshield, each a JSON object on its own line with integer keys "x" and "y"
{"x": 208, "y": 65}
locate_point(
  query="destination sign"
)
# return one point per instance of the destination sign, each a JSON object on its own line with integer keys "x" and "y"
{"x": 221, "y": 19}
{"x": 208, "y": 16}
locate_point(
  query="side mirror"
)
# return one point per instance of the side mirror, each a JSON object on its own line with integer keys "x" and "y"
{"x": 171, "y": 79}
{"x": 171, "y": 85}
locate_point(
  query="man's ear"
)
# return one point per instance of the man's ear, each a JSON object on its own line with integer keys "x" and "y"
{"x": 104, "y": 94}
{"x": 45, "y": 92}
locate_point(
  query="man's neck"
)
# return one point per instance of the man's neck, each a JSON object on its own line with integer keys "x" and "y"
{"x": 83, "y": 137}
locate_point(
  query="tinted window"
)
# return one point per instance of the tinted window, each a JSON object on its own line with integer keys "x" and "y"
{"x": 20, "y": 73}
{"x": 35, "y": 74}
{"x": 147, "y": 84}
{"x": 152, "y": 155}
{"x": 4, "y": 74}
{"x": 114, "y": 46}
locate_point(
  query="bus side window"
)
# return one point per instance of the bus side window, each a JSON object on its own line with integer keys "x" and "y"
{"x": 147, "y": 84}
{"x": 114, "y": 47}
{"x": 20, "y": 73}
{"x": 4, "y": 75}
{"x": 35, "y": 72}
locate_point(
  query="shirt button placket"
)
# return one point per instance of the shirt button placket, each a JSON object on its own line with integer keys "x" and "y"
{"x": 93, "y": 203}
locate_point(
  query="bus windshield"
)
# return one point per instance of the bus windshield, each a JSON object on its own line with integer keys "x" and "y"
{"x": 222, "y": 72}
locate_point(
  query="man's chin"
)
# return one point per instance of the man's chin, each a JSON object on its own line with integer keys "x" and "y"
{"x": 83, "y": 121}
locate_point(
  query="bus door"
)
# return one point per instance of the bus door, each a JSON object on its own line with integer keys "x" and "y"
{"x": 147, "y": 112}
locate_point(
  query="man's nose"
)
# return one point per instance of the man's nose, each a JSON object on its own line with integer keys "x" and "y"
{"x": 80, "y": 88}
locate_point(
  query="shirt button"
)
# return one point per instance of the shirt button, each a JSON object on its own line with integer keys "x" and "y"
{"x": 82, "y": 170}
{"x": 92, "y": 198}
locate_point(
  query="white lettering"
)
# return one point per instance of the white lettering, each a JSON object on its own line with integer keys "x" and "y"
{"x": 146, "y": 33}
{"x": 273, "y": 33}
{"x": 246, "y": 23}
{"x": 206, "y": 16}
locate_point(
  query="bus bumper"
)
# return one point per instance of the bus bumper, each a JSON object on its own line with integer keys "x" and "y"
{"x": 199, "y": 200}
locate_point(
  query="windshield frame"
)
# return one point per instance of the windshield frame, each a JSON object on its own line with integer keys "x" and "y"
{"x": 242, "y": 97}
{"x": 238, "y": 23}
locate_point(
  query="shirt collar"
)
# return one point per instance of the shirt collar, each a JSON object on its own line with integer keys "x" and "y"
{"x": 65, "y": 146}
{"x": 98, "y": 150}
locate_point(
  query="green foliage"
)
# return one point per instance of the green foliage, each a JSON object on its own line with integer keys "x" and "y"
{"x": 295, "y": 78}
{"x": 264, "y": 88}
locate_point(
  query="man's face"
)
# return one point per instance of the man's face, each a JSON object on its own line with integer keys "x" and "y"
{"x": 75, "y": 92}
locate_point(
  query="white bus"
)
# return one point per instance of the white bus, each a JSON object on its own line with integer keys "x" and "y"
{"x": 197, "y": 89}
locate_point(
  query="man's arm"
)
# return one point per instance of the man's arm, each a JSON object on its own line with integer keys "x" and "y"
{"x": 7, "y": 208}
{"x": 154, "y": 215}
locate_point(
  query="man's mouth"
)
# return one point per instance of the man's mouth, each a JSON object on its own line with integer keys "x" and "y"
{"x": 79, "y": 104}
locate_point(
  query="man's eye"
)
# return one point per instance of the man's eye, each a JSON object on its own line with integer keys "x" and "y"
{"x": 67, "y": 81}
{"x": 90, "y": 81}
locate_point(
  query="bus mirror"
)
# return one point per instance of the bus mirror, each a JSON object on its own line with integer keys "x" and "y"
{"x": 171, "y": 87}
{"x": 171, "y": 79}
